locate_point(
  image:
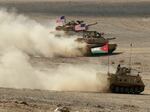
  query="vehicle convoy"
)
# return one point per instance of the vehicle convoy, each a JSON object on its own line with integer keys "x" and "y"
{"x": 96, "y": 43}
{"x": 125, "y": 80}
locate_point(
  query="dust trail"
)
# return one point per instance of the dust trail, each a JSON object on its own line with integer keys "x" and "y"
{"x": 33, "y": 38}
{"x": 77, "y": 78}
{"x": 21, "y": 36}
{"x": 17, "y": 72}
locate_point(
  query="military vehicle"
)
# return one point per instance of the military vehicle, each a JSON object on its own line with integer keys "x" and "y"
{"x": 96, "y": 42}
{"x": 125, "y": 80}
{"x": 70, "y": 26}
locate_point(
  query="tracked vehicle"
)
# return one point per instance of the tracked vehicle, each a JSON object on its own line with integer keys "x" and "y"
{"x": 126, "y": 80}
{"x": 71, "y": 26}
{"x": 96, "y": 43}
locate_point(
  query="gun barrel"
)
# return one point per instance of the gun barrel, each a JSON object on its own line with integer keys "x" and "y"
{"x": 92, "y": 24}
{"x": 111, "y": 38}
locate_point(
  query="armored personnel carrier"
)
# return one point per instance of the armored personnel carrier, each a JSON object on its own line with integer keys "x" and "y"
{"x": 126, "y": 80}
{"x": 96, "y": 42}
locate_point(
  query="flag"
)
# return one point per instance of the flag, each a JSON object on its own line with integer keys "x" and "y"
{"x": 103, "y": 49}
{"x": 61, "y": 20}
{"x": 80, "y": 27}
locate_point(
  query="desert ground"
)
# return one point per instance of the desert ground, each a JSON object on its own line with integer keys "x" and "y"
{"x": 128, "y": 21}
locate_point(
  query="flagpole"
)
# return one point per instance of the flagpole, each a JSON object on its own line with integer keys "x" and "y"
{"x": 130, "y": 55}
{"x": 108, "y": 56}
{"x": 108, "y": 63}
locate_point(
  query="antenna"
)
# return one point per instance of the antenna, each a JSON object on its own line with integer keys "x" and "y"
{"x": 108, "y": 63}
{"x": 130, "y": 56}
{"x": 107, "y": 46}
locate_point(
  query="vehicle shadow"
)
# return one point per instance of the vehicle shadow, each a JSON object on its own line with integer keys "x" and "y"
{"x": 105, "y": 54}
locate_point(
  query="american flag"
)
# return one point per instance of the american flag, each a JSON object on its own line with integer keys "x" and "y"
{"x": 61, "y": 20}
{"x": 80, "y": 27}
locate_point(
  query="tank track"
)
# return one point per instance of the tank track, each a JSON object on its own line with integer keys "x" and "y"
{"x": 127, "y": 90}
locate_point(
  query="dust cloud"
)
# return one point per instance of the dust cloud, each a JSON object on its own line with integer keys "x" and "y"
{"x": 33, "y": 38}
{"x": 22, "y": 37}
{"x": 17, "y": 72}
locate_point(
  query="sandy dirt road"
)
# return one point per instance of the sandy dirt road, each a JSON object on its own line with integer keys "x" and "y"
{"x": 47, "y": 101}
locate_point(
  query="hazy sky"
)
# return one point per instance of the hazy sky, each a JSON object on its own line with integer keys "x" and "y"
{"x": 84, "y": 0}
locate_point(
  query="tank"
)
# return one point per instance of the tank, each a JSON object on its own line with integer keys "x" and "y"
{"x": 70, "y": 26}
{"x": 95, "y": 42}
{"x": 126, "y": 80}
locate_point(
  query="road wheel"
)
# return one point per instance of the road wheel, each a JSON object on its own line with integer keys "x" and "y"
{"x": 135, "y": 90}
{"x": 117, "y": 89}
{"x": 113, "y": 89}
{"x": 141, "y": 89}
{"x": 121, "y": 89}
{"x": 126, "y": 90}
{"x": 131, "y": 90}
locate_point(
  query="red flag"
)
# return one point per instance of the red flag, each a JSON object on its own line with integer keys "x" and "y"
{"x": 105, "y": 47}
